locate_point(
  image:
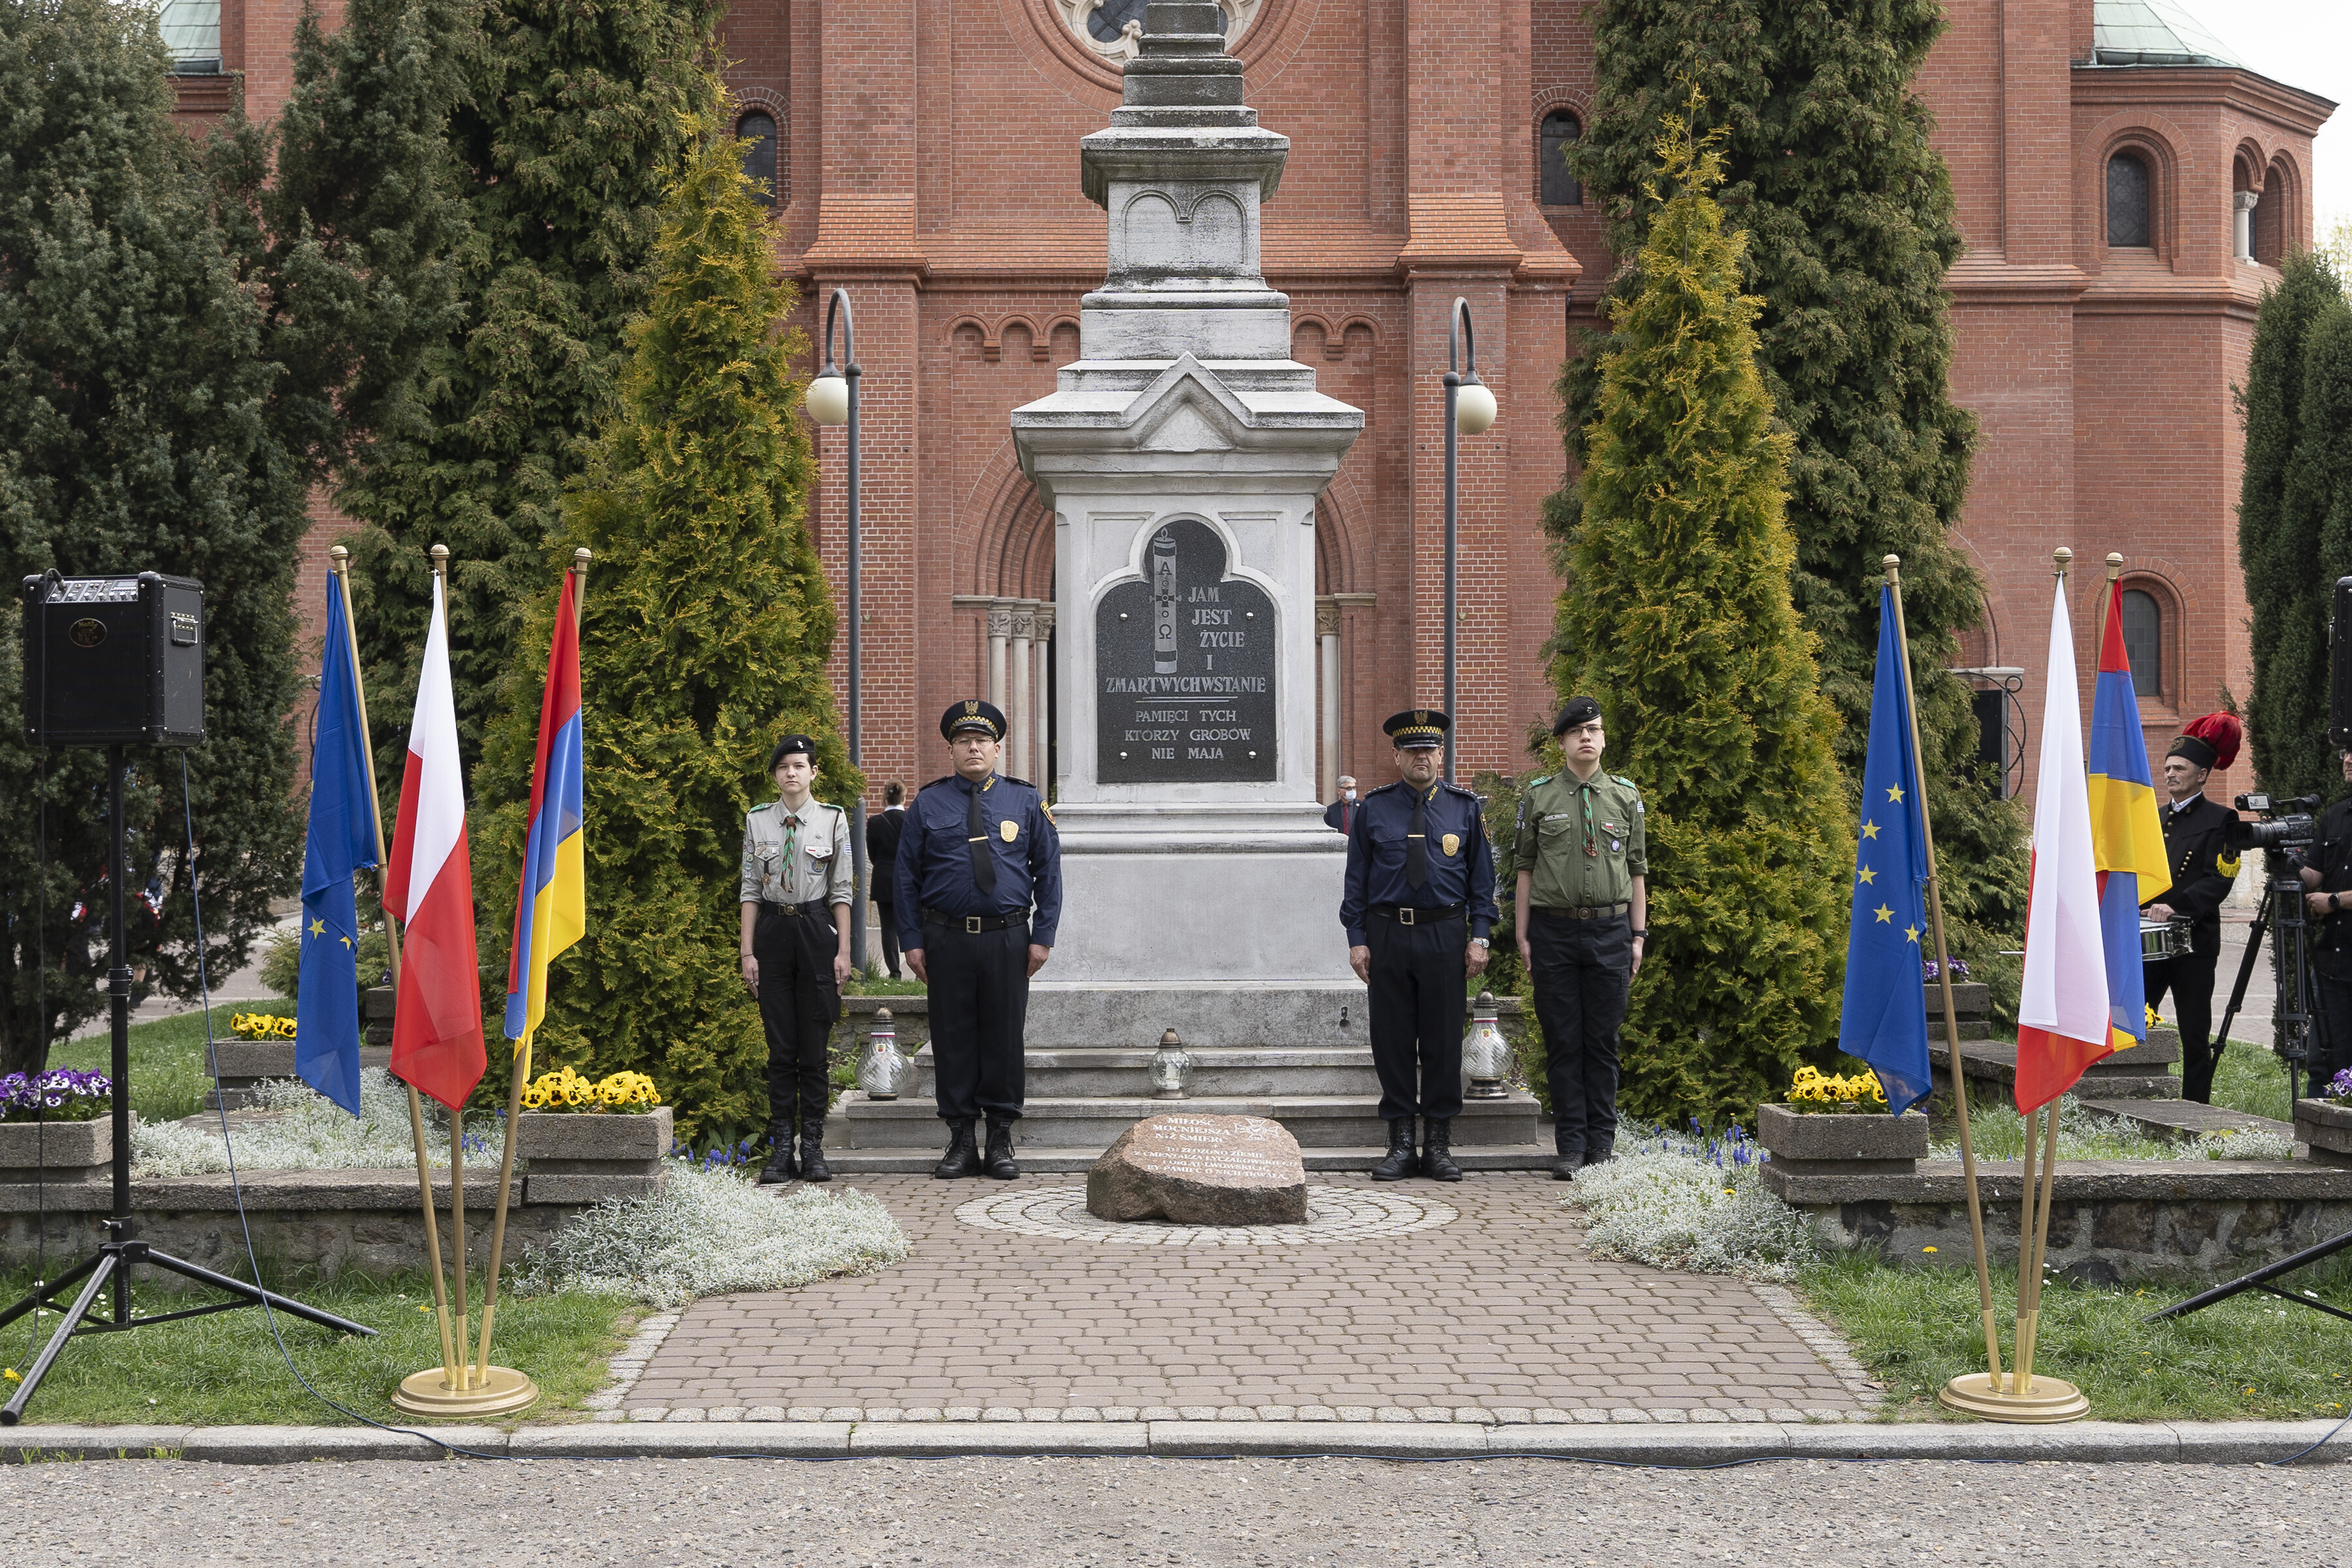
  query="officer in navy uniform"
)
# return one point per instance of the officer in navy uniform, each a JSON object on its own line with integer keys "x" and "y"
{"x": 978, "y": 853}
{"x": 1420, "y": 899}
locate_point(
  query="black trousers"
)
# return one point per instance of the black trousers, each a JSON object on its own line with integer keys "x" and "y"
{"x": 889, "y": 936}
{"x": 2332, "y": 1003}
{"x": 980, "y": 999}
{"x": 1583, "y": 972}
{"x": 1417, "y": 1008}
{"x": 2190, "y": 977}
{"x": 799, "y": 1005}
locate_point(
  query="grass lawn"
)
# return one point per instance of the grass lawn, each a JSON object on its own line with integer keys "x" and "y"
{"x": 2250, "y": 1358}
{"x": 226, "y": 1369}
{"x": 169, "y": 1074}
{"x": 2251, "y": 1079}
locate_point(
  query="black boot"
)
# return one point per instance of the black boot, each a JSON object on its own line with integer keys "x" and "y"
{"x": 781, "y": 1166}
{"x": 1570, "y": 1161}
{"x": 962, "y": 1156}
{"x": 1398, "y": 1163}
{"x": 812, "y": 1165}
{"x": 1000, "y": 1151}
{"x": 1437, "y": 1150}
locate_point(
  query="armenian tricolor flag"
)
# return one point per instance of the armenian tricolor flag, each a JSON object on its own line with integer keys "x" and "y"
{"x": 2126, "y": 829}
{"x": 551, "y": 907}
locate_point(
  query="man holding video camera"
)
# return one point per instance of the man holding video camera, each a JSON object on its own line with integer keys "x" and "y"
{"x": 2204, "y": 867}
{"x": 2327, "y": 904}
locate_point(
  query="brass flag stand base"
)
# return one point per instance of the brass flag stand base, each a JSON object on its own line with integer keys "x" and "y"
{"x": 501, "y": 1392}
{"x": 2049, "y": 1400}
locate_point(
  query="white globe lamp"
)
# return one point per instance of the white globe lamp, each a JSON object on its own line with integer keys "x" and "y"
{"x": 828, "y": 400}
{"x": 1474, "y": 408}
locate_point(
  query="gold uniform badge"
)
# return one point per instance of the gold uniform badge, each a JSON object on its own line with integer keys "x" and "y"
{"x": 1010, "y": 829}
{"x": 1452, "y": 841}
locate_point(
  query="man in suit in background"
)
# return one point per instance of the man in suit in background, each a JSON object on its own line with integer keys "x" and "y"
{"x": 882, "y": 832}
{"x": 1341, "y": 813}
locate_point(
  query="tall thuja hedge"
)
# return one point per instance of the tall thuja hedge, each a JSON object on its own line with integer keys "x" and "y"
{"x": 1851, "y": 229}
{"x": 2294, "y": 518}
{"x": 1680, "y": 612}
{"x": 709, "y": 624}
{"x": 191, "y": 335}
{"x": 569, "y": 130}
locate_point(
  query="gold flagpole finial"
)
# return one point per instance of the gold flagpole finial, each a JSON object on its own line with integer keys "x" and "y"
{"x": 2114, "y": 564}
{"x": 1894, "y": 567}
{"x": 2064, "y": 557}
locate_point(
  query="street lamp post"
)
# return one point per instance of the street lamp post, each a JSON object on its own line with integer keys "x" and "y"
{"x": 831, "y": 399}
{"x": 1469, "y": 411}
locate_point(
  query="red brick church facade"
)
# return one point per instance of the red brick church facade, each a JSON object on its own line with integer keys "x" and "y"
{"x": 926, "y": 159}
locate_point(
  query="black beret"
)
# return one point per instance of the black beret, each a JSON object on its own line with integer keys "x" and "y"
{"x": 1579, "y": 712}
{"x": 974, "y": 715}
{"x": 792, "y": 746}
{"x": 1418, "y": 729}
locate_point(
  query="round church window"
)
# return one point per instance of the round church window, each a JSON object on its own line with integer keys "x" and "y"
{"x": 1111, "y": 27}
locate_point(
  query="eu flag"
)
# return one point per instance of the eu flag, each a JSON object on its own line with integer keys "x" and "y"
{"x": 1885, "y": 1021}
{"x": 342, "y": 835}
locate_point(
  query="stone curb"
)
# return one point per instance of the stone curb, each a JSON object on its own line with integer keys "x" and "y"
{"x": 2214, "y": 1443}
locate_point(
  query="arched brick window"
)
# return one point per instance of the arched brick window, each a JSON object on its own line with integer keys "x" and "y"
{"x": 2143, "y": 641}
{"x": 2129, "y": 208}
{"x": 761, "y": 163}
{"x": 1557, "y": 186}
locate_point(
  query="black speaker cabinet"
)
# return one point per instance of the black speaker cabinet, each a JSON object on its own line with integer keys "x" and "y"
{"x": 114, "y": 661}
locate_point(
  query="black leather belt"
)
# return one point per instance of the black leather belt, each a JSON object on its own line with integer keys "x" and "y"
{"x": 1414, "y": 915}
{"x": 1581, "y": 911}
{"x": 816, "y": 908}
{"x": 972, "y": 925}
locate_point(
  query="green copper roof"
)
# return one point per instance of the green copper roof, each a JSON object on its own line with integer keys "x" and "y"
{"x": 2154, "y": 33}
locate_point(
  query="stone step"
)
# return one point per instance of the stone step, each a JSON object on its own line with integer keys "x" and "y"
{"x": 2184, "y": 1120}
{"x": 1971, "y": 998}
{"x": 1318, "y": 1121}
{"x": 1042, "y": 1159}
{"x": 1225, "y": 1072}
{"x": 2143, "y": 1072}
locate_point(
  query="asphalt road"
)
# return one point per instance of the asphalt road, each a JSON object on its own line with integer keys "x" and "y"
{"x": 977, "y": 1513}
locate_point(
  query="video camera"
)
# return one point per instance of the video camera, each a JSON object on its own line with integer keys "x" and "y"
{"x": 2288, "y": 827}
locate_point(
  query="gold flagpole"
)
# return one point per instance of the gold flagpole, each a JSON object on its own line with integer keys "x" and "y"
{"x": 340, "y": 571}
{"x": 2022, "y": 1400}
{"x": 1894, "y": 565}
{"x": 483, "y": 1370}
{"x": 440, "y": 555}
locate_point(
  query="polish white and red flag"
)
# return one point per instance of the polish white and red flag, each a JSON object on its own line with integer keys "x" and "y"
{"x": 437, "y": 1034}
{"x": 2063, "y": 1013}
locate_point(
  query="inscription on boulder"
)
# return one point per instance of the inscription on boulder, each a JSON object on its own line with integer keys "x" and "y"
{"x": 1201, "y": 1169}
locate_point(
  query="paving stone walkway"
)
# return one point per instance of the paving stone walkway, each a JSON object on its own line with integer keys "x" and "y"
{"x": 1495, "y": 1315}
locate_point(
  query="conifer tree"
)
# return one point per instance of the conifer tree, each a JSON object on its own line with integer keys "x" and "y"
{"x": 2294, "y": 518}
{"x": 707, "y": 627}
{"x": 568, "y": 130}
{"x": 1850, "y": 223}
{"x": 186, "y": 347}
{"x": 1681, "y": 614}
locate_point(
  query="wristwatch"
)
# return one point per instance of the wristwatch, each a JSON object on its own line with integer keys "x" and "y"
{"x": 1641, "y": 936}
{"x": 1477, "y": 942}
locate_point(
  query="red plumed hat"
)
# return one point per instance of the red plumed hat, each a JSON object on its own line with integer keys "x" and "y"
{"x": 2211, "y": 742}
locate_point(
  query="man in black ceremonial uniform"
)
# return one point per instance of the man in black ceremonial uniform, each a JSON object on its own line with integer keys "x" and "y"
{"x": 978, "y": 854}
{"x": 1420, "y": 900}
{"x": 2203, "y": 870}
{"x": 2327, "y": 906}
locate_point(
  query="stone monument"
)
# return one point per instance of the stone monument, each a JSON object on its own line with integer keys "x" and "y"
{"x": 1201, "y": 1169}
{"x": 1182, "y": 455}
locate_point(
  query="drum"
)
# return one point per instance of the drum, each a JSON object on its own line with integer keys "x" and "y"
{"x": 2158, "y": 941}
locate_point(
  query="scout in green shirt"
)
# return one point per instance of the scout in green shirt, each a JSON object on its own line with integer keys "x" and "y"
{"x": 1581, "y": 905}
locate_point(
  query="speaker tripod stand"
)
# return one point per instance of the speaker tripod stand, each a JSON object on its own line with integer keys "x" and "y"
{"x": 110, "y": 1265}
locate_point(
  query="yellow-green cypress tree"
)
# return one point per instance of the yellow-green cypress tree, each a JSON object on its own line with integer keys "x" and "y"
{"x": 1679, "y": 610}
{"x": 707, "y": 628}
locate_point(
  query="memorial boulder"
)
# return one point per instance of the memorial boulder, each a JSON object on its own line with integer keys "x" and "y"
{"x": 1201, "y": 1169}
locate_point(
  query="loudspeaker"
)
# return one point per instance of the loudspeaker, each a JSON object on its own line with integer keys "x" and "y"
{"x": 113, "y": 661}
{"x": 2339, "y": 667}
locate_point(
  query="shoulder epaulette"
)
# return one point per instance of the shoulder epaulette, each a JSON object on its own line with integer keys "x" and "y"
{"x": 1388, "y": 789}
{"x": 1457, "y": 789}
{"x": 942, "y": 782}
{"x": 1008, "y": 778}
{"x": 1629, "y": 783}
{"x": 1540, "y": 779}
{"x": 766, "y": 805}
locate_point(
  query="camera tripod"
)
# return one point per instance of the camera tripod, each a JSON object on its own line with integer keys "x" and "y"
{"x": 111, "y": 1264}
{"x": 2291, "y": 1010}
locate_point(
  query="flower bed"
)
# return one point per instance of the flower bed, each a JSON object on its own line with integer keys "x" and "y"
{"x": 58, "y": 1095}
{"x": 1676, "y": 1201}
{"x": 1827, "y": 1145}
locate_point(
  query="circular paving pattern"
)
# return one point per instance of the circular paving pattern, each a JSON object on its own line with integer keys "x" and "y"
{"x": 1333, "y": 1213}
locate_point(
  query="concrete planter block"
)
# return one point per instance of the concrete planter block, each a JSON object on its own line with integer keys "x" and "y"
{"x": 1847, "y": 1143}
{"x": 2327, "y": 1128}
{"x": 583, "y": 1157}
{"x": 57, "y": 1152}
{"x": 1971, "y": 998}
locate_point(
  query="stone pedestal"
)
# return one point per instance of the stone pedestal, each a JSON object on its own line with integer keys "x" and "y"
{"x": 2325, "y": 1129}
{"x": 1182, "y": 455}
{"x": 577, "y": 1157}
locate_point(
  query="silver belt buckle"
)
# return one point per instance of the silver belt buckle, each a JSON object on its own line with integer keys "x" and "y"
{"x": 972, "y": 925}
{"x": 1404, "y": 914}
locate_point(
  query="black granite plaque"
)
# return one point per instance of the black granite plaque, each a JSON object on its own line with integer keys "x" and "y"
{"x": 1185, "y": 666}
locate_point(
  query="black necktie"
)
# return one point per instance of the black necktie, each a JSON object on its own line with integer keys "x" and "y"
{"x": 984, "y": 862}
{"x": 1416, "y": 842}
